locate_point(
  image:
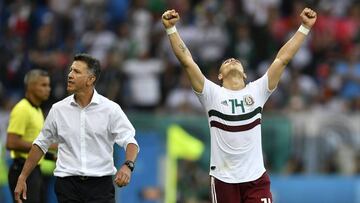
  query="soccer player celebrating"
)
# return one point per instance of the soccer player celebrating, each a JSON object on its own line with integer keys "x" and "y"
{"x": 234, "y": 113}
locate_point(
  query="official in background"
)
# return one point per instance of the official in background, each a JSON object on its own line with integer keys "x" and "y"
{"x": 25, "y": 123}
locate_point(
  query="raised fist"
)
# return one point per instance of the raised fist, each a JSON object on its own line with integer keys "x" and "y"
{"x": 308, "y": 17}
{"x": 169, "y": 18}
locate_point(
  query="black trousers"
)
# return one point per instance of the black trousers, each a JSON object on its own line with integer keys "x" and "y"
{"x": 33, "y": 182}
{"x": 83, "y": 189}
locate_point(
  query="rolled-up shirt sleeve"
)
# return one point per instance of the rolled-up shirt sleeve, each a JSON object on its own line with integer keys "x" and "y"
{"x": 122, "y": 129}
{"x": 47, "y": 135}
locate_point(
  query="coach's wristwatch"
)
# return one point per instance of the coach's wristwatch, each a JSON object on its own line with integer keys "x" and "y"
{"x": 130, "y": 165}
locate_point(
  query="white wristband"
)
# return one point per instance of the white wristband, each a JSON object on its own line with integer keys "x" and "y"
{"x": 304, "y": 30}
{"x": 171, "y": 30}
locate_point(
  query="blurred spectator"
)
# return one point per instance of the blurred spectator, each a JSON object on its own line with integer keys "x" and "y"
{"x": 244, "y": 45}
{"x": 141, "y": 22}
{"x": 182, "y": 99}
{"x": 99, "y": 40}
{"x": 212, "y": 34}
{"x": 143, "y": 83}
{"x": 349, "y": 70}
{"x": 18, "y": 21}
{"x": 345, "y": 158}
{"x": 112, "y": 81}
{"x": 259, "y": 9}
{"x": 125, "y": 44}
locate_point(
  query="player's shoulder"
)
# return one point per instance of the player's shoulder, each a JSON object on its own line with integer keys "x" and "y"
{"x": 261, "y": 80}
{"x": 64, "y": 102}
{"x": 22, "y": 105}
{"x": 106, "y": 102}
{"x": 211, "y": 84}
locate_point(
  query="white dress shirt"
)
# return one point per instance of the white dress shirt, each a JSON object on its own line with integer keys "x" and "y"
{"x": 86, "y": 136}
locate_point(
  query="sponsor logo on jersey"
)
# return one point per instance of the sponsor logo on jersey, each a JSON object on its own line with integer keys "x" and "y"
{"x": 224, "y": 103}
{"x": 249, "y": 100}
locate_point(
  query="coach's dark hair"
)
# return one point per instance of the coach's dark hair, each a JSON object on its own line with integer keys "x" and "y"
{"x": 92, "y": 63}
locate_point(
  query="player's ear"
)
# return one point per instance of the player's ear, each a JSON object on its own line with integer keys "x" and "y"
{"x": 244, "y": 74}
{"x": 220, "y": 76}
{"x": 91, "y": 80}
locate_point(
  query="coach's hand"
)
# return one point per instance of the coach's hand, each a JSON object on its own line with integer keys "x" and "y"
{"x": 123, "y": 175}
{"x": 170, "y": 18}
{"x": 308, "y": 17}
{"x": 20, "y": 190}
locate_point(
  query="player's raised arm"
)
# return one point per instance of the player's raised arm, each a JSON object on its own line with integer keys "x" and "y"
{"x": 286, "y": 53}
{"x": 169, "y": 19}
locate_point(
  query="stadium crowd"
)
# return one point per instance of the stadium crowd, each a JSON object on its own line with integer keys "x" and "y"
{"x": 140, "y": 72}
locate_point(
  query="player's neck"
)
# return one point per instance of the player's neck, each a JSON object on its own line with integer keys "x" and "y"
{"x": 83, "y": 98}
{"x": 234, "y": 83}
{"x": 32, "y": 99}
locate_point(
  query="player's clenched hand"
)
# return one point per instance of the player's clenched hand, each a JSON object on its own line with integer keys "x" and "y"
{"x": 169, "y": 18}
{"x": 308, "y": 17}
{"x": 20, "y": 190}
{"x": 122, "y": 177}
